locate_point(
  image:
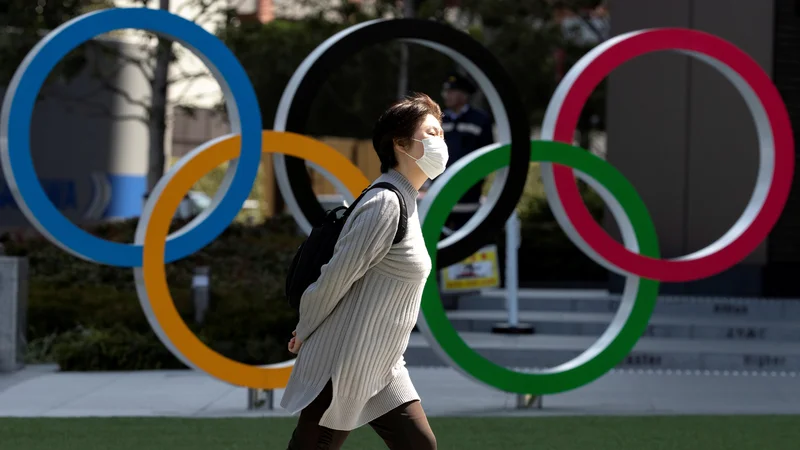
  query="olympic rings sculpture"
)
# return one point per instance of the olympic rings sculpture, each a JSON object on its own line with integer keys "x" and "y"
{"x": 637, "y": 258}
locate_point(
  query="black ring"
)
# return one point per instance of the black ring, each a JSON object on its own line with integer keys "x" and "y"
{"x": 382, "y": 31}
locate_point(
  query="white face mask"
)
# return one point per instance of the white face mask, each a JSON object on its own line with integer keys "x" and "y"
{"x": 434, "y": 158}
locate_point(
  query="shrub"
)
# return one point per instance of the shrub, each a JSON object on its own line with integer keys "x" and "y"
{"x": 58, "y": 310}
{"x": 115, "y": 348}
{"x": 86, "y": 316}
{"x": 546, "y": 255}
{"x": 81, "y": 313}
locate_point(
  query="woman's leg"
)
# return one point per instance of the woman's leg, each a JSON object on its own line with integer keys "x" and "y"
{"x": 405, "y": 428}
{"x": 308, "y": 434}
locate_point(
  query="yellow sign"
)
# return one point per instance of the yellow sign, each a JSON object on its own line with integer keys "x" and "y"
{"x": 479, "y": 271}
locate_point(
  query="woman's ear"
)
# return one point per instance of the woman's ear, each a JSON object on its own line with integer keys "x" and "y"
{"x": 399, "y": 145}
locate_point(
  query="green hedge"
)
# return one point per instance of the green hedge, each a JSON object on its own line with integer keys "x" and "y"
{"x": 115, "y": 348}
{"x": 81, "y": 314}
{"x": 546, "y": 255}
{"x": 86, "y": 316}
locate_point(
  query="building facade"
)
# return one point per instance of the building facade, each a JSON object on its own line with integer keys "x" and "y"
{"x": 685, "y": 139}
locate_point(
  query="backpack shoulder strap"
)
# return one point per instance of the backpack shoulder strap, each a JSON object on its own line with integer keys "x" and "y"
{"x": 403, "y": 222}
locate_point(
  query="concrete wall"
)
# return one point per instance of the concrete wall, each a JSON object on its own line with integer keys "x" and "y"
{"x": 682, "y": 134}
{"x": 780, "y": 277}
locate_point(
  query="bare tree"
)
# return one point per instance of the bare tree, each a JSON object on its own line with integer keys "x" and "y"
{"x": 158, "y": 105}
{"x": 159, "y": 62}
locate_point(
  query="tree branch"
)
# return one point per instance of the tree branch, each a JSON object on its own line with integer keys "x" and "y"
{"x": 97, "y": 109}
{"x": 114, "y": 89}
{"x": 141, "y": 64}
{"x": 120, "y": 117}
{"x": 104, "y": 80}
{"x": 181, "y": 101}
{"x": 184, "y": 76}
{"x": 115, "y": 51}
{"x": 205, "y": 7}
{"x": 182, "y": 98}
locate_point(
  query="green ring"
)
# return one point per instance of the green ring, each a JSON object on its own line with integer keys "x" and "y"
{"x": 572, "y": 374}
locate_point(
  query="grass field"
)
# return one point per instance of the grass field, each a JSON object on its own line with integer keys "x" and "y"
{"x": 539, "y": 433}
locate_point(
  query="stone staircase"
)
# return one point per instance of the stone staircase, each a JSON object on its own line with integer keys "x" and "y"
{"x": 685, "y": 333}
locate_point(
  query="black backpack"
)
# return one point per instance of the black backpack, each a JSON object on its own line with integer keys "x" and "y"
{"x": 318, "y": 247}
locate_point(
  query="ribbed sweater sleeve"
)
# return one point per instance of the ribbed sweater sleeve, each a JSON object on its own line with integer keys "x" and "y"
{"x": 365, "y": 239}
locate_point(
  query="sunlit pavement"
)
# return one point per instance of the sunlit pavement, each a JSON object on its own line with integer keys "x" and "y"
{"x": 41, "y": 391}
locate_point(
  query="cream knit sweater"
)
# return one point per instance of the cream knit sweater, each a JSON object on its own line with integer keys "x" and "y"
{"x": 356, "y": 319}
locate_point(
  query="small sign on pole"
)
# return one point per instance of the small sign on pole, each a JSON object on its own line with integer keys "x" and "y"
{"x": 479, "y": 271}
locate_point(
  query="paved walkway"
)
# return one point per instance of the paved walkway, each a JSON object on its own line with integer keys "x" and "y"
{"x": 40, "y": 391}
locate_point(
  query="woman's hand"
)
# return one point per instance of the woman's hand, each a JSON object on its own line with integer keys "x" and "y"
{"x": 294, "y": 343}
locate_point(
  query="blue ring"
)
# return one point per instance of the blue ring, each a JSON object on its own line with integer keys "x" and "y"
{"x": 17, "y": 112}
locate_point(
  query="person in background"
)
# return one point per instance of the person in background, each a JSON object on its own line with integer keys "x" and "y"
{"x": 466, "y": 129}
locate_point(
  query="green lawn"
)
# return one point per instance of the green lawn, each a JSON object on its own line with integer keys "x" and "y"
{"x": 540, "y": 433}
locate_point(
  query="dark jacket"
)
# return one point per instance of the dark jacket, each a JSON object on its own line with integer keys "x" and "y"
{"x": 469, "y": 131}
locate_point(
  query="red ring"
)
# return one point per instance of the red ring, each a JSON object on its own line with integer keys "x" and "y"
{"x": 783, "y": 140}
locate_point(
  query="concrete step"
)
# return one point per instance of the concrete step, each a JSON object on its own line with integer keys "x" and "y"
{"x": 598, "y": 301}
{"x": 544, "y": 351}
{"x": 662, "y": 326}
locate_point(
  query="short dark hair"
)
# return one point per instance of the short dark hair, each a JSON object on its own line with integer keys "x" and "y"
{"x": 398, "y": 123}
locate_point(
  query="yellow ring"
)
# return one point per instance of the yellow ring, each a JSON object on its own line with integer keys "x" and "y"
{"x": 172, "y": 328}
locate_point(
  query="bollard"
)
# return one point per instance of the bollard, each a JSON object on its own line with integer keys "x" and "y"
{"x": 512, "y": 281}
{"x": 200, "y": 292}
{"x": 13, "y": 312}
{"x": 449, "y": 300}
{"x": 270, "y": 399}
{"x": 254, "y": 401}
{"x": 529, "y": 401}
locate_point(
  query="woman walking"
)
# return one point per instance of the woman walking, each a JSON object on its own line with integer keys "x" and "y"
{"x": 356, "y": 319}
